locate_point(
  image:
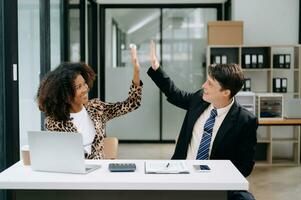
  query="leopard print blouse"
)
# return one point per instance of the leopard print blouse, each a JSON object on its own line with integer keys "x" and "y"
{"x": 99, "y": 112}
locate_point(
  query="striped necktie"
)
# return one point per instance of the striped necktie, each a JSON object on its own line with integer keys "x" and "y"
{"x": 203, "y": 152}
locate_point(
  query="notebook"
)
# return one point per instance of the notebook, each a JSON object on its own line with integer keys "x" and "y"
{"x": 58, "y": 152}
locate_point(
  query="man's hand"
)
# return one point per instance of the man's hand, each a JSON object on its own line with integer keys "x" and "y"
{"x": 154, "y": 61}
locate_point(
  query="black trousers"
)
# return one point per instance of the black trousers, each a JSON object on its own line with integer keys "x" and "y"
{"x": 240, "y": 195}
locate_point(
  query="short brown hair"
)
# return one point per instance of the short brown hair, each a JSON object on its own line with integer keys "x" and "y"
{"x": 229, "y": 76}
{"x": 57, "y": 89}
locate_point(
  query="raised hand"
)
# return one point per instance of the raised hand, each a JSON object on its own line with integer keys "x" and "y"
{"x": 154, "y": 61}
{"x": 135, "y": 62}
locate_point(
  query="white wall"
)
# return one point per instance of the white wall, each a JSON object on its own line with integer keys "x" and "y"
{"x": 268, "y": 21}
{"x": 265, "y": 21}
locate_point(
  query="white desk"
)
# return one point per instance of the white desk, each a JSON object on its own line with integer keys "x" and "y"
{"x": 31, "y": 184}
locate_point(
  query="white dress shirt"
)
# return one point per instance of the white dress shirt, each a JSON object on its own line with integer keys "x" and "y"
{"x": 198, "y": 129}
{"x": 85, "y": 126}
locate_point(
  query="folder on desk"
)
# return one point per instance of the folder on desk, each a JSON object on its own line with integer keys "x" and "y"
{"x": 166, "y": 167}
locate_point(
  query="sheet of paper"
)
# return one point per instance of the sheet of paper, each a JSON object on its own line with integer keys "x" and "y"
{"x": 165, "y": 167}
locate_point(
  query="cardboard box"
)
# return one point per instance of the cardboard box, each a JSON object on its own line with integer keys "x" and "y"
{"x": 225, "y": 33}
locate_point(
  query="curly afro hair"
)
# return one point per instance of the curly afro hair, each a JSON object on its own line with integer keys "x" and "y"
{"x": 56, "y": 89}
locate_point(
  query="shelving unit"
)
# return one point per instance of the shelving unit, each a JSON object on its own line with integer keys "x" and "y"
{"x": 273, "y": 135}
{"x": 271, "y": 142}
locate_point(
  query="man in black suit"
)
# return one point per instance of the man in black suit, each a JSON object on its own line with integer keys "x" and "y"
{"x": 229, "y": 134}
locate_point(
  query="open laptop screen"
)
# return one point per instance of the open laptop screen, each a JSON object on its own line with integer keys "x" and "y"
{"x": 56, "y": 151}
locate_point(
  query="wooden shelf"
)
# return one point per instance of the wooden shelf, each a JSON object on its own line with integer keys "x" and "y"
{"x": 284, "y": 162}
{"x": 263, "y": 141}
{"x": 292, "y": 140}
{"x": 287, "y": 122}
{"x": 262, "y": 82}
{"x": 262, "y": 163}
{"x": 281, "y": 69}
{"x": 256, "y": 70}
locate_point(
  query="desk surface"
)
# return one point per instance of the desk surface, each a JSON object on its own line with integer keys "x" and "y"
{"x": 223, "y": 176}
{"x": 288, "y": 122}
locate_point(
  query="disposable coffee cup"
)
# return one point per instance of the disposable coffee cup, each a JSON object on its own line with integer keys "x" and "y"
{"x": 25, "y": 155}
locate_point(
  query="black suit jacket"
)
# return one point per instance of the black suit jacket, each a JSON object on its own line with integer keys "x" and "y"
{"x": 236, "y": 137}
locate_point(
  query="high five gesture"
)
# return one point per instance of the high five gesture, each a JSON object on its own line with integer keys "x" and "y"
{"x": 135, "y": 62}
{"x": 154, "y": 61}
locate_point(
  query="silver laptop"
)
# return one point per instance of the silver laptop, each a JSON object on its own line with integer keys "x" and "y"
{"x": 293, "y": 108}
{"x": 58, "y": 152}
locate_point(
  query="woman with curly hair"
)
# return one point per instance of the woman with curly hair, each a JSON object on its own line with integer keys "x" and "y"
{"x": 63, "y": 97}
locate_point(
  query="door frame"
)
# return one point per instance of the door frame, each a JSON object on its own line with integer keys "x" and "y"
{"x": 9, "y": 89}
{"x": 87, "y": 45}
{"x": 9, "y": 122}
{"x": 218, "y": 6}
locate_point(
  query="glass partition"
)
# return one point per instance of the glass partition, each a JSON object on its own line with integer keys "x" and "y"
{"x": 29, "y": 60}
{"x": 74, "y": 31}
{"x": 125, "y": 26}
{"x": 55, "y": 38}
{"x": 29, "y": 66}
{"x": 184, "y": 41}
{"x": 184, "y": 53}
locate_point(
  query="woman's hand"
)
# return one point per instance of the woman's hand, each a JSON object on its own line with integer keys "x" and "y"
{"x": 135, "y": 62}
{"x": 154, "y": 61}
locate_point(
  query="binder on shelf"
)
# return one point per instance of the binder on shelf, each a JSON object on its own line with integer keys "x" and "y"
{"x": 217, "y": 59}
{"x": 260, "y": 61}
{"x": 284, "y": 85}
{"x": 277, "y": 84}
{"x": 246, "y": 61}
{"x": 281, "y": 61}
{"x": 224, "y": 59}
{"x": 254, "y": 61}
{"x": 287, "y": 63}
{"x": 247, "y": 85}
{"x": 278, "y": 60}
